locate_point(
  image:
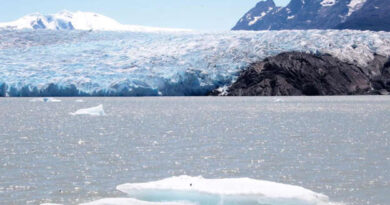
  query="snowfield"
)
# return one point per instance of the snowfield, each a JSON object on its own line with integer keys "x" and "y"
{"x": 106, "y": 63}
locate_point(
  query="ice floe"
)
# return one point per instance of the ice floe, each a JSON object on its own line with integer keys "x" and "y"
{"x": 199, "y": 190}
{"x": 128, "y": 201}
{"x": 187, "y": 190}
{"x": 45, "y": 100}
{"x": 93, "y": 111}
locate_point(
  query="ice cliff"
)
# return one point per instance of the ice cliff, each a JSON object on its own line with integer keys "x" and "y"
{"x": 83, "y": 63}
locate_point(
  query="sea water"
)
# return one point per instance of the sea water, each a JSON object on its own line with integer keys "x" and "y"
{"x": 333, "y": 146}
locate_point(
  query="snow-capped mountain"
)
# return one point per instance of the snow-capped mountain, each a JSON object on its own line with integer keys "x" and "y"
{"x": 66, "y": 20}
{"x": 318, "y": 14}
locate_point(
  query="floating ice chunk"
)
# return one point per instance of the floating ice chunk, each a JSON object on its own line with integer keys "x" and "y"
{"x": 128, "y": 201}
{"x": 50, "y": 204}
{"x": 203, "y": 191}
{"x": 275, "y": 99}
{"x": 51, "y": 100}
{"x": 81, "y": 142}
{"x": 93, "y": 111}
{"x": 79, "y": 100}
{"x": 45, "y": 100}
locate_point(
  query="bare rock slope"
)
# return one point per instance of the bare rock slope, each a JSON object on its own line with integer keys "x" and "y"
{"x": 296, "y": 73}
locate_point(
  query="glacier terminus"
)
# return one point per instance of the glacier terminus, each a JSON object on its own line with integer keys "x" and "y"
{"x": 94, "y": 60}
{"x": 124, "y": 63}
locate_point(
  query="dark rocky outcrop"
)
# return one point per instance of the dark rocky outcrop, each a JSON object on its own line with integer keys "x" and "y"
{"x": 380, "y": 81}
{"x": 296, "y": 73}
{"x": 318, "y": 14}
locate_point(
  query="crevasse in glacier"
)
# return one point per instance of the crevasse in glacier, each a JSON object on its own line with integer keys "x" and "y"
{"x": 83, "y": 63}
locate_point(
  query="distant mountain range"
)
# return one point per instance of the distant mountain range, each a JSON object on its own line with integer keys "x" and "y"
{"x": 66, "y": 20}
{"x": 318, "y": 14}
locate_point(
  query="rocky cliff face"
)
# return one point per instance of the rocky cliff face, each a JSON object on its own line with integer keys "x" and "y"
{"x": 295, "y": 73}
{"x": 318, "y": 14}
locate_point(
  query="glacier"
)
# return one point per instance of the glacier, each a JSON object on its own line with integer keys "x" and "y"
{"x": 40, "y": 63}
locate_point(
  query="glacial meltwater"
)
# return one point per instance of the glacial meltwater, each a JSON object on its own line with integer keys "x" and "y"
{"x": 195, "y": 150}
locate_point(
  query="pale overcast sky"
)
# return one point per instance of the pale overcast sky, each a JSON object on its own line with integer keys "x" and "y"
{"x": 190, "y": 14}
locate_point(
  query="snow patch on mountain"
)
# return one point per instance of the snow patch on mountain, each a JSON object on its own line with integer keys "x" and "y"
{"x": 256, "y": 18}
{"x": 318, "y": 14}
{"x": 355, "y": 5}
{"x": 328, "y": 2}
{"x": 66, "y": 20}
{"x": 290, "y": 17}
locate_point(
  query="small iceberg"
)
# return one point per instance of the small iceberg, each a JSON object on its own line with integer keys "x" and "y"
{"x": 276, "y": 99}
{"x": 93, "y": 111}
{"x": 45, "y": 100}
{"x": 128, "y": 201}
{"x": 50, "y": 204}
{"x": 79, "y": 100}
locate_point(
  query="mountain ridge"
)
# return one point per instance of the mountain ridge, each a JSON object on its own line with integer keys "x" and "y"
{"x": 318, "y": 14}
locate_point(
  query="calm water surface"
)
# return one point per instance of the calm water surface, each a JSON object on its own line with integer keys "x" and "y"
{"x": 338, "y": 146}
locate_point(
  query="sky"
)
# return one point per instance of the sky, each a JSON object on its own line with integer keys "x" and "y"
{"x": 189, "y": 14}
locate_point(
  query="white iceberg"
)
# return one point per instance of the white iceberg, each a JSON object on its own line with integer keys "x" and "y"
{"x": 45, "y": 100}
{"x": 93, "y": 111}
{"x": 199, "y": 190}
{"x": 128, "y": 201}
{"x": 187, "y": 190}
{"x": 50, "y": 204}
{"x": 276, "y": 99}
